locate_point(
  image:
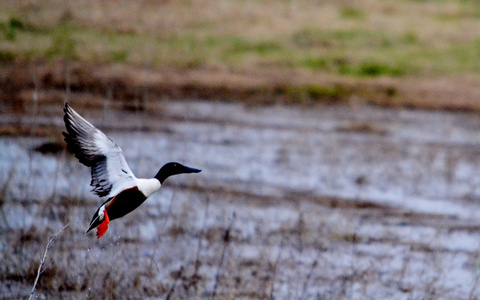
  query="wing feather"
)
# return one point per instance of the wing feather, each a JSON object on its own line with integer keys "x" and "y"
{"x": 110, "y": 171}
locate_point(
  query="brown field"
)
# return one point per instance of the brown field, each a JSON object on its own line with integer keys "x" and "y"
{"x": 395, "y": 53}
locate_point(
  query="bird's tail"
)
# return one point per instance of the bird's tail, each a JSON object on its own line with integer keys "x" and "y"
{"x": 100, "y": 221}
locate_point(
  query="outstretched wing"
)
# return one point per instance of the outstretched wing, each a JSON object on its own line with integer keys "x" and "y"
{"x": 110, "y": 171}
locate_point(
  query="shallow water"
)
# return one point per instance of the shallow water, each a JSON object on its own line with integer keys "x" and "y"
{"x": 402, "y": 184}
{"x": 421, "y": 161}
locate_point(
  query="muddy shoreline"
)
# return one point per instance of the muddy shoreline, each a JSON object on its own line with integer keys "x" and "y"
{"x": 133, "y": 87}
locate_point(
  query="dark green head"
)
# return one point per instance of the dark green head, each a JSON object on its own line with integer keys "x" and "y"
{"x": 173, "y": 168}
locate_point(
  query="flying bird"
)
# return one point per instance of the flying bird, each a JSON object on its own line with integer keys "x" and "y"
{"x": 111, "y": 175}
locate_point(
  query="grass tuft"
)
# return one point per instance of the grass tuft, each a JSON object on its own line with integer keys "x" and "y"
{"x": 7, "y": 56}
{"x": 352, "y": 13}
{"x": 318, "y": 63}
{"x": 375, "y": 68}
{"x": 63, "y": 43}
{"x": 242, "y": 45}
{"x": 314, "y": 92}
{"x": 11, "y": 27}
{"x": 119, "y": 56}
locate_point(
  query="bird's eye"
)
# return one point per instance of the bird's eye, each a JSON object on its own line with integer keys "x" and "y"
{"x": 174, "y": 165}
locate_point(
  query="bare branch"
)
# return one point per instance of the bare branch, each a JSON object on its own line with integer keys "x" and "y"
{"x": 471, "y": 295}
{"x": 307, "y": 279}
{"x": 42, "y": 262}
{"x": 275, "y": 267}
{"x": 226, "y": 240}
{"x": 202, "y": 234}
{"x": 172, "y": 289}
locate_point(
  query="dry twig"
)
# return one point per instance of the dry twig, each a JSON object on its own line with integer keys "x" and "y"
{"x": 226, "y": 240}
{"x": 275, "y": 267}
{"x": 42, "y": 262}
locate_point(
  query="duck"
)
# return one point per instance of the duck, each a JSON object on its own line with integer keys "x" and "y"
{"x": 112, "y": 178}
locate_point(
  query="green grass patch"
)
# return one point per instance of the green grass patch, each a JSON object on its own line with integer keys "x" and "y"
{"x": 10, "y": 28}
{"x": 317, "y": 63}
{"x": 314, "y": 92}
{"x": 316, "y": 38}
{"x": 63, "y": 43}
{"x": 119, "y": 56}
{"x": 359, "y": 52}
{"x": 409, "y": 38}
{"x": 7, "y": 56}
{"x": 375, "y": 68}
{"x": 352, "y": 39}
{"x": 242, "y": 45}
{"x": 365, "y": 68}
{"x": 352, "y": 13}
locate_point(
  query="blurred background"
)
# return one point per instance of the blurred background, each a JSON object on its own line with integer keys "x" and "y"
{"x": 339, "y": 143}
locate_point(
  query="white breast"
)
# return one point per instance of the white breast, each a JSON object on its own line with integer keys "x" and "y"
{"x": 148, "y": 186}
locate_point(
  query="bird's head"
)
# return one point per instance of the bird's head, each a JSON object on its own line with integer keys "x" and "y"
{"x": 173, "y": 168}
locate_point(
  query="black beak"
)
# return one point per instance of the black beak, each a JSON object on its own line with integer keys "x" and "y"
{"x": 191, "y": 170}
